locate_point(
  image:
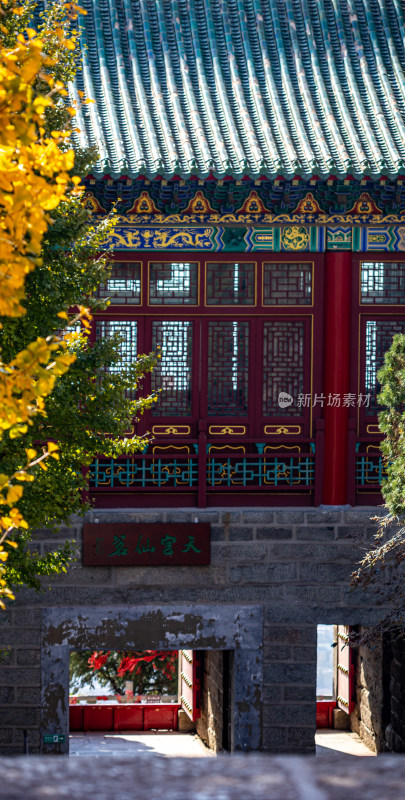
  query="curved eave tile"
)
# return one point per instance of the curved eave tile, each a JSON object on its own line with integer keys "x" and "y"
{"x": 244, "y": 88}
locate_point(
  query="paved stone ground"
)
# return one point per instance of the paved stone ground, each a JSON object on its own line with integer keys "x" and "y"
{"x": 329, "y": 743}
{"x": 170, "y": 744}
{"x": 242, "y": 777}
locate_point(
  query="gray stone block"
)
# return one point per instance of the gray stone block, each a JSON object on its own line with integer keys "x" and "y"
{"x": 270, "y": 533}
{"x": 361, "y": 516}
{"x": 6, "y": 694}
{"x": 299, "y": 694}
{"x": 169, "y": 576}
{"x": 289, "y": 673}
{"x": 324, "y": 573}
{"x": 79, "y": 575}
{"x": 180, "y": 516}
{"x": 185, "y": 724}
{"x": 281, "y": 573}
{"x": 255, "y": 517}
{"x": 341, "y": 720}
{"x": 62, "y": 533}
{"x": 274, "y": 738}
{"x": 277, "y": 652}
{"x": 273, "y": 694}
{"x": 217, "y": 533}
{"x": 348, "y": 532}
{"x": 228, "y": 517}
{"x": 29, "y": 618}
{"x": 128, "y": 515}
{"x": 240, "y": 533}
{"x": 234, "y": 552}
{"x": 291, "y": 635}
{"x": 301, "y": 551}
{"x": 7, "y": 655}
{"x": 289, "y": 714}
{"x": 302, "y": 738}
{"x": 311, "y": 594}
{"x": 304, "y": 655}
{"x": 290, "y": 517}
{"x": 28, "y": 657}
{"x": 315, "y": 534}
{"x": 316, "y": 516}
{"x": 27, "y": 696}
{"x": 206, "y": 515}
{"x": 53, "y": 545}
{"x": 21, "y": 717}
{"x": 27, "y": 636}
{"x": 252, "y": 573}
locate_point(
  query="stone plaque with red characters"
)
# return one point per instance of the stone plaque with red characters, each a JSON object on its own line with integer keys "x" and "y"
{"x": 146, "y": 545}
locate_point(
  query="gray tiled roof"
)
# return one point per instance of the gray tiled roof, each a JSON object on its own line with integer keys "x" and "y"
{"x": 244, "y": 87}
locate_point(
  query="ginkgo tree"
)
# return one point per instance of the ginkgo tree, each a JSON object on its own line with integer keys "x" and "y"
{"x": 93, "y": 404}
{"x": 34, "y": 175}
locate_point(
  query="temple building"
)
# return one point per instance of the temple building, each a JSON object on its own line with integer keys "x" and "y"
{"x": 255, "y": 153}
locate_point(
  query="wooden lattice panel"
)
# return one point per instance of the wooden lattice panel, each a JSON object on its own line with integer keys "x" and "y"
{"x": 287, "y": 284}
{"x": 227, "y": 378}
{"x": 173, "y": 340}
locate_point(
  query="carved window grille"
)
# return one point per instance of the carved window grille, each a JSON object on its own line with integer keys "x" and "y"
{"x": 230, "y": 284}
{"x": 127, "y": 331}
{"x": 123, "y": 287}
{"x": 173, "y": 375}
{"x": 379, "y": 335}
{"x": 287, "y": 284}
{"x": 283, "y": 365}
{"x": 227, "y": 378}
{"x": 383, "y": 282}
{"x": 173, "y": 283}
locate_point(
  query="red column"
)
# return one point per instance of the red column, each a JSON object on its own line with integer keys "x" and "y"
{"x": 338, "y": 283}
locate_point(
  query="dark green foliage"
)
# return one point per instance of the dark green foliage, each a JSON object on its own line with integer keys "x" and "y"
{"x": 392, "y": 425}
{"x": 382, "y": 568}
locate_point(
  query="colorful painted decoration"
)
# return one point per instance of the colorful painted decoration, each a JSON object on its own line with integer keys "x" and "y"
{"x": 199, "y": 205}
{"x": 253, "y": 205}
{"x": 90, "y": 202}
{"x": 143, "y": 205}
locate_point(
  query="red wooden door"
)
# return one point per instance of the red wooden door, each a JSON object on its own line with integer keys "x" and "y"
{"x": 190, "y": 683}
{"x": 345, "y": 670}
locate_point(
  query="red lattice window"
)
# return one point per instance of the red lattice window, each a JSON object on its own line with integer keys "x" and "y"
{"x": 378, "y": 339}
{"x": 124, "y": 284}
{"x": 173, "y": 283}
{"x": 127, "y": 331}
{"x": 382, "y": 282}
{"x": 283, "y": 365}
{"x": 230, "y": 284}
{"x": 174, "y": 340}
{"x": 287, "y": 284}
{"x": 228, "y": 354}
{"x": 228, "y": 346}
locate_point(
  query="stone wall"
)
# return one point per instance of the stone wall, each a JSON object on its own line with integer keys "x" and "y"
{"x": 210, "y": 726}
{"x": 20, "y": 678}
{"x": 367, "y": 717}
{"x": 293, "y": 564}
{"x": 289, "y": 687}
{"x": 379, "y": 715}
{"x": 394, "y": 673}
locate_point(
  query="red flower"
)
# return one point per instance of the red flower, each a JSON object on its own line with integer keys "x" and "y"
{"x": 98, "y": 659}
